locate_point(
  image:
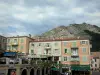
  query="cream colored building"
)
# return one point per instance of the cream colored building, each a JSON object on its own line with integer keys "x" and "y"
{"x": 48, "y": 48}
{"x": 73, "y": 53}
{"x": 18, "y": 44}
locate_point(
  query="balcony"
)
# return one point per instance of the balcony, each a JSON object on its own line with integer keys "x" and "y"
{"x": 47, "y": 47}
{"x": 15, "y": 43}
{"x": 47, "y": 54}
{"x": 75, "y": 59}
{"x": 74, "y": 55}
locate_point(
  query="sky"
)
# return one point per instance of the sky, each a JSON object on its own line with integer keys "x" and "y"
{"x": 23, "y": 17}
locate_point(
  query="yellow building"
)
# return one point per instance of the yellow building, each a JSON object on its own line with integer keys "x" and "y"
{"x": 18, "y": 44}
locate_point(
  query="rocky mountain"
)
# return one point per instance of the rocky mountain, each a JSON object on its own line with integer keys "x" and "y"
{"x": 74, "y": 30}
{"x": 71, "y": 31}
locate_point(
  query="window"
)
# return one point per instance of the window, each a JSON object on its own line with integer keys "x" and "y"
{"x": 47, "y": 45}
{"x": 8, "y": 40}
{"x": 14, "y": 48}
{"x": 95, "y": 60}
{"x": 32, "y": 51}
{"x": 65, "y": 43}
{"x": 32, "y": 44}
{"x": 4, "y": 40}
{"x": 8, "y": 47}
{"x": 57, "y": 51}
{"x": 83, "y": 49}
{"x": 22, "y": 40}
{"x": 39, "y": 44}
{"x": 21, "y": 47}
{"x": 15, "y": 40}
{"x": 84, "y": 58}
{"x": 65, "y": 50}
{"x": 95, "y": 65}
{"x": 84, "y": 42}
{"x": 65, "y": 58}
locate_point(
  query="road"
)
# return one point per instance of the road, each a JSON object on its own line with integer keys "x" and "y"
{"x": 95, "y": 73}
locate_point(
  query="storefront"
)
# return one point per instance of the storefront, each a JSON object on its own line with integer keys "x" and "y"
{"x": 54, "y": 71}
{"x": 80, "y": 69}
{"x": 10, "y": 54}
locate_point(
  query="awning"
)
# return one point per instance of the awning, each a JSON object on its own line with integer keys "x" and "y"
{"x": 55, "y": 69}
{"x": 80, "y": 67}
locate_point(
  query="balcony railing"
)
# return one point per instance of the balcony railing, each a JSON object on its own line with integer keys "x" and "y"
{"x": 47, "y": 46}
{"x": 48, "y": 54}
{"x": 74, "y": 54}
{"x": 75, "y": 59}
{"x": 15, "y": 43}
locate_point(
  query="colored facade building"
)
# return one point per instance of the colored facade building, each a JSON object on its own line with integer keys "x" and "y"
{"x": 18, "y": 44}
{"x": 73, "y": 53}
{"x": 76, "y": 54}
{"x": 95, "y": 61}
{"x": 45, "y": 48}
{"x": 3, "y": 41}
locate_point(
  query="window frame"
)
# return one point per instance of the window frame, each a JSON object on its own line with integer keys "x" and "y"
{"x": 65, "y": 59}
{"x": 65, "y": 50}
{"x": 84, "y": 58}
{"x": 84, "y": 49}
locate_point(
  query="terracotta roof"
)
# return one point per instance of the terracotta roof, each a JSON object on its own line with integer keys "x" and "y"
{"x": 58, "y": 39}
{"x": 20, "y": 37}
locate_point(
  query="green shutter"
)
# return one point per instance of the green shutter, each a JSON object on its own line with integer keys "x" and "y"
{"x": 68, "y": 51}
{"x": 65, "y": 50}
{"x": 31, "y": 51}
{"x": 22, "y": 40}
{"x": 74, "y": 44}
{"x": 21, "y": 47}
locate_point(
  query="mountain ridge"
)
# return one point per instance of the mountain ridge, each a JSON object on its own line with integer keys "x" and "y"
{"x": 75, "y": 30}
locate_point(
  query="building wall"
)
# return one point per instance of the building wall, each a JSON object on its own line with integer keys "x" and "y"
{"x": 95, "y": 64}
{"x": 57, "y": 48}
{"x": 54, "y": 48}
{"x": 82, "y": 55}
{"x": 18, "y": 44}
{"x": 95, "y": 61}
{"x": 3, "y": 41}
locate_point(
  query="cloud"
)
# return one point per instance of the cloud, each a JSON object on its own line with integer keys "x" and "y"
{"x": 22, "y": 17}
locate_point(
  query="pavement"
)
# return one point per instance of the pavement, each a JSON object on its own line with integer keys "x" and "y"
{"x": 95, "y": 73}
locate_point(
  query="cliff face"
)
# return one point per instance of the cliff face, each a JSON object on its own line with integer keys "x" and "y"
{"x": 71, "y": 31}
{"x": 74, "y": 30}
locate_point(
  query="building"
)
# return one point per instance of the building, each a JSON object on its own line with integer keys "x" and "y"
{"x": 18, "y": 44}
{"x": 95, "y": 61}
{"x": 3, "y": 41}
{"x": 46, "y": 48}
{"x": 72, "y": 53}
{"x": 76, "y": 54}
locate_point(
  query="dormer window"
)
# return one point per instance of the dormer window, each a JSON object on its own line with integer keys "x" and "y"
{"x": 84, "y": 42}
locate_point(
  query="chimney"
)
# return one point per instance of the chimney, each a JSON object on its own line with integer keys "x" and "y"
{"x": 30, "y": 35}
{"x": 17, "y": 35}
{"x": 78, "y": 37}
